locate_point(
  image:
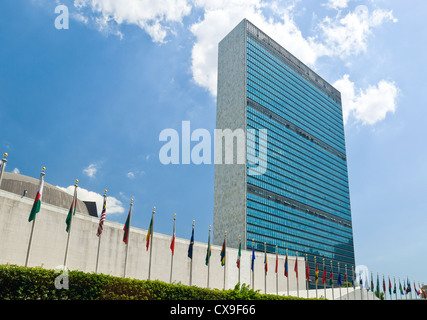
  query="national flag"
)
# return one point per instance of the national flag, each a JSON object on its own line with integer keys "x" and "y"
{"x": 331, "y": 277}
{"x": 72, "y": 211}
{"x": 172, "y": 246}
{"x": 408, "y": 287}
{"x": 372, "y": 283}
{"x": 384, "y": 285}
{"x": 126, "y": 228}
{"x": 416, "y": 290}
{"x": 265, "y": 263}
{"x": 102, "y": 219}
{"x": 277, "y": 262}
{"x": 190, "y": 248}
{"x": 149, "y": 233}
{"x": 37, "y": 201}
{"x": 208, "y": 250}
{"x": 339, "y": 279}
{"x": 389, "y": 285}
{"x": 296, "y": 267}
{"x": 239, "y": 255}
{"x": 394, "y": 287}
{"x": 317, "y": 274}
{"x": 307, "y": 273}
{"x": 378, "y": 284}
{"x": 253, "y": 258}
{"x": 222, "y": 255}
{"x": 401, "y": 289}
{"x": 286, "y": 266}
{"x": 324, "y": 275}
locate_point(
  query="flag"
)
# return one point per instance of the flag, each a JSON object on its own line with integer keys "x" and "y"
{"x": 331, "y": 277}
{"x": 286, "y": 266}
{"x": 253, "y": 258}
{"x": 239, "y": 255}
{"x": 384, "y": 285}
{"x": 378, "y": 285}
{"x": 307, "y": 273}
{"x": 317, "y": 274}
{"x": 208, "y": 250}
{"x": 101, "y": 220}
{"x": 401, "y": 289}
{"x": 296, "y": 267}
{"x": 126, "y": 228}
{"x": 222, "y": 255}
{"x": 172, "y": 246}
{"x": 416, "y": 290}
{"x": 149, "y": 233}
{"x": 372, "y": 283}
{"x": 37, "y": 201}
{"x": 408, "y": 287}
{"x": 277, "y": 262}
{"x": 265, "y": 263}
{"x": 389, "y": 286}
{"x": 72, "y": 211}
{"x": 190, "y": 248}
{"x": 394, "y": 287}
{"x": 339, "y": 279}
{"x": 324, "y": 275}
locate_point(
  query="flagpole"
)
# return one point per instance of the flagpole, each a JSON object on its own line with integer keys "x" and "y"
{"x": 346, "y": 281}
{"x": 240, "y": 243}
{"x": 42, "y": 174}
{"x": 225, "y": 256}
{"x": 151, "y": 240}
{"x": 354, "y": 285}
{"x": 208, "y": 254}
{"x": 191, "y": 262}
{"x": 265, "y": 267}
{"x": 172, "y": 253}
{"x": 3, "y": 165}
{"x": 332, "y": 272}
{"x": 253, "y": 264}
{"x": 127, "y": 240}
{"x": 317, "y": 274}
{"x": 324, "y": 282}
{"x": 287, "y": 277}
{"x": 307, "y": 273}
{"x": 100, "y": 233}
{"x": 296, "y": 271}
{"x": 73, "y": 208}
{"x": 277, "y": 271}
{"x": 339, "y": 275}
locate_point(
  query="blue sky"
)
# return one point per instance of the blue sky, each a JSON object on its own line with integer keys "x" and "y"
{"x": 90, "y": 102}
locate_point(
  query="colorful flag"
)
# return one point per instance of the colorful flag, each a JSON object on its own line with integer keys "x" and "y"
{"x": 317, "y": 274}
{"x": 378, "y": 285}
{"x": 277, "y": 262}
{"x": 265, "y": 263}
{"x": 331, "y": 277}
{"x": 389, "y": 285}
{"x": 208, "y": 250}
{"x": 286, "y": 266}
{"x": 190, "y": 248}
{"x": 101, "y": 220}
{"x": 339, "y": 279}
{"x": 222, "y": 255}
{"x": 253, "y": 258}
{"x": 149, "y": 233}
{"x": 324, "y": 275}
{"x": 384, "y": 285}
{"x": 401, "y": 289}
{"x": 126, "y": 228}
{"x": 307, "y": 273}
{"x": 38, "y": 200}
{"x": 72, "y": 211}
{"x": 408, "y": 287}
{"x": 296, "y": 267}
{"x": 172, "y": 246}
{"x": 372, "y": 283}
{"x": 239, "y": 255}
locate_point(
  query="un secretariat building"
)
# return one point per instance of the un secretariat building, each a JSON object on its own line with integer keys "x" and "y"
{"x": 301, "y": 203}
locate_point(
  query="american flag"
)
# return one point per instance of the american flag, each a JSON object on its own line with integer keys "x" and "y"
{"x": 101, "y": 221}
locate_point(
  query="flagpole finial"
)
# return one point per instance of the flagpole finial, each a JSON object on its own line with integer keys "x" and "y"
{"x": 76, "y": 181}
{"x": 5, "y": 155}
{"x": 154, "y": 208}
{"x": 131, "y": 200}
{"x": 210, "y": 227}
{"x": 44, "y": 169}
{"x": 174, "y": 215}
{"x": 105, "y": 192}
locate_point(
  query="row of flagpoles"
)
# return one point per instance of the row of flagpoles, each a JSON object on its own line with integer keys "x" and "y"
{"x": 404, "y": 290}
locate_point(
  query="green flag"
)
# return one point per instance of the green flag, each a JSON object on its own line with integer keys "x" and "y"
{"x": 72, "y": 211}
{"x": 208, "y": 251}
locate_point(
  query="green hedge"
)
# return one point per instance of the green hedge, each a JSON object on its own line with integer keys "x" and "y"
{"x": 20, "y": 283}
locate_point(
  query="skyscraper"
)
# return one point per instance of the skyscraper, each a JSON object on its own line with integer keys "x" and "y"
{"x": 301, "y": 200}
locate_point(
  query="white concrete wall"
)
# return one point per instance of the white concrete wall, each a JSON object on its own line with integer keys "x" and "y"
{"x": 50, "y": 238}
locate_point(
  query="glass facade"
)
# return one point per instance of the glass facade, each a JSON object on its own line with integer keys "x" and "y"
{"x": 302, "y": 202}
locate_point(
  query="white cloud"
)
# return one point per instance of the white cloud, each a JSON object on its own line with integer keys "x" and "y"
{"x": 155, "y": 17}
{"x": 367, "y": 106}
{"x": 349, "y": 35}
{"x": 114, "y": 206}
{"x": 91, "y": 170}
{"x": 337, "y": 4}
